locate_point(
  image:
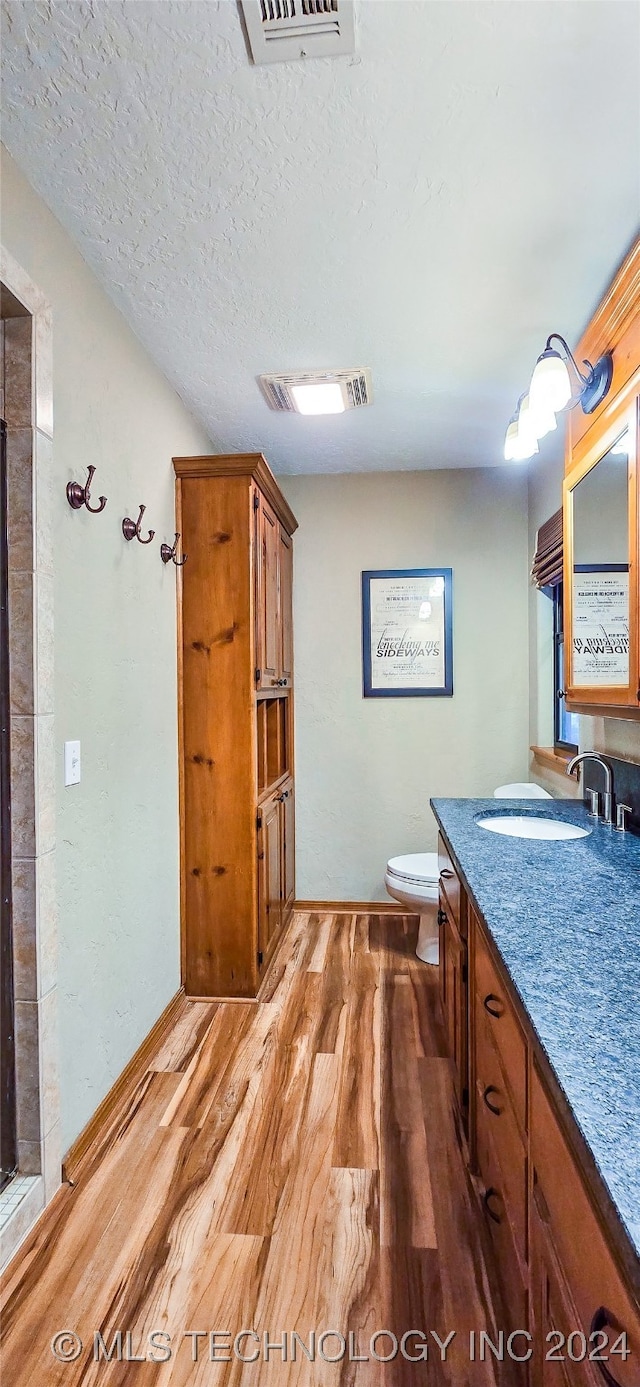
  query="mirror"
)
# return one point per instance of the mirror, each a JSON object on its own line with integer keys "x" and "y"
{"x": 600, "y": 608}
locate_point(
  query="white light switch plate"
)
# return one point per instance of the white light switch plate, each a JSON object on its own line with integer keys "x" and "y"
{"x": 72, "y": 763}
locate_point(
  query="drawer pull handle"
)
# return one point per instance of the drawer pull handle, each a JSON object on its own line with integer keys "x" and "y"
{"x": 447, "y": 874}
{"x": 601, "y": 1319}
{"x": 491, "y": 1194}
{"x": 493, "y": 1107}
{"x": 497, "y": 1009}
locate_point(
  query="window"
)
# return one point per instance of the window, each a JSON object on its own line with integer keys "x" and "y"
{"x": 565, "y": 724}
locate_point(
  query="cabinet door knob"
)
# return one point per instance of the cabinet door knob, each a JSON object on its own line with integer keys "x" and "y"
{"x": 489, "y": 1194}
{"x": 601, "y": 1319}
{"x": 442, "y": 917}
{"x": 493, "y": 1107}
{"x": 493, "y": 1005}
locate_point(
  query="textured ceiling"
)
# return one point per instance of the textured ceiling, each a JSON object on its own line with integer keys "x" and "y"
{"x": 430, "y": 207}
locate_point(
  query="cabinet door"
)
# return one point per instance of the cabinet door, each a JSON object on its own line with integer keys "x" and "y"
{"x": 455, "y": 1004}
{"x": 267, "y": 633}
{"x": 288, "y": 849}
{"x": 557, "y": 1342}
{"x": 270, "y": 876}
{"x": 285, "y": 611}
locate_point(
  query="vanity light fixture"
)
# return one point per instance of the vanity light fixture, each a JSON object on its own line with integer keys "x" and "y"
{"x": 550, "y": 392}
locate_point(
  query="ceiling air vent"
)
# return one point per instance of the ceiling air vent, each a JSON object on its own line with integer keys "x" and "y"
{"x": 318, "y": 392}
{"x": 282, "y": 30}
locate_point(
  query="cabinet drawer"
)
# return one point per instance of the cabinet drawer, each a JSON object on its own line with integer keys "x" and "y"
{"x": 493, "y": 1007}
{"x": 452, "y": 887}
{"x": 593, "y": 1280}
{"x": 557, "y": 1361}
{"x": 495, "y": 1202}
{"x": 496, "y": 1126}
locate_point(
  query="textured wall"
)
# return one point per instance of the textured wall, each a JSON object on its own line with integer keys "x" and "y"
{"x": 366, "y": 767}
{"x": 115, "y": 666}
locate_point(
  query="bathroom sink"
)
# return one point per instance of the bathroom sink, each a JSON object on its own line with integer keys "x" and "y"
{"x": 532, "y": 826}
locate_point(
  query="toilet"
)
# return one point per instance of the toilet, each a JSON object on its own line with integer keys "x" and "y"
{"x": 521, "y": 790}
{"x": 413, "y": 879}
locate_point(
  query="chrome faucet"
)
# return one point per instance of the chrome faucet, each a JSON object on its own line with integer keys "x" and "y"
{"x": 607, "y": 812}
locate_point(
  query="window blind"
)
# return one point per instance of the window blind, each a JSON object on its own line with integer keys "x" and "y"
{"x": 547, "y": 560}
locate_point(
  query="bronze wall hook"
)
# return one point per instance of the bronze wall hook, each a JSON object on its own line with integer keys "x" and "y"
{"x": 131, "y": 528}
{"x": 78, "y": 495}
{"x": 167, "y": 553}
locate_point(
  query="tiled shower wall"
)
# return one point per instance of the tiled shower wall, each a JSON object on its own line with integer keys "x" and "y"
{"x": 26, "y": 385}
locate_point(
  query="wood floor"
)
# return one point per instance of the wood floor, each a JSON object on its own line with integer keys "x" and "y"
{"x": 289, "y": 1165}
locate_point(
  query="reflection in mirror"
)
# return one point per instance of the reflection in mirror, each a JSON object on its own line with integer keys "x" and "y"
{"x": 600, "y": 615}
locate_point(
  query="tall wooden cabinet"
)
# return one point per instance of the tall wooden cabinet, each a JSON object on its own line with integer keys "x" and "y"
{"x": 236, "y": 721}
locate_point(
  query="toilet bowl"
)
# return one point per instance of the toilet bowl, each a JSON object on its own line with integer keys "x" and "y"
{"x": 413, "y": 881}
{"x": 521, "y": 790}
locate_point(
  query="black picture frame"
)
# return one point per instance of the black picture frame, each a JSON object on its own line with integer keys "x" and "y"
{"x": 370, "y": 688}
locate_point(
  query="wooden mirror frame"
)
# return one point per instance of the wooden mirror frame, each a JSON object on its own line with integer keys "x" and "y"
{"x": 618, "y": 700}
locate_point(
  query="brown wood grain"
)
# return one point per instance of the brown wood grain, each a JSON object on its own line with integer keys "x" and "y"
{"x": 265, "y": 1180}
{"x": 236, "y": 806}
{"x": 96, "y": 1133}
{"x": 252, "y": 466}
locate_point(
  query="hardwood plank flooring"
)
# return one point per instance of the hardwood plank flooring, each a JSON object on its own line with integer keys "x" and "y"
{"x": 286, "y": 1168}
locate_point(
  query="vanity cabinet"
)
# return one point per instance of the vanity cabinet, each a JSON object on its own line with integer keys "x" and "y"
{"x": 235, "y": 721}
{"x": 576, "y": 1286}
{"x": 565, "y": 1269}
{"x": 498, "y": 1073}
{"x": 601, "y": 516}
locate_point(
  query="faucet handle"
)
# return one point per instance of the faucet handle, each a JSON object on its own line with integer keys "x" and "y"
{"x": 622, "y": 811}
{"x": 593, "y": 801}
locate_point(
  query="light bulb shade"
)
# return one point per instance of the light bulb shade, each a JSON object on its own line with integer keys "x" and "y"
{"x": 541, "y": 420}
{"x": 550, "y": 388}
{"x": 520, "y": 442}
{"x": 527, "y": 438}
{"x": 511, "y": 441}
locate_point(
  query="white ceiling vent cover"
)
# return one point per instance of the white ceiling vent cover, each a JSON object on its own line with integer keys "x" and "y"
{"x": 355, "y": 386}
{"x": 283, "y": 30}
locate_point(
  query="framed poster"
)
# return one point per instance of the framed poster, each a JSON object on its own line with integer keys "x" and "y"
{"x": 407, "y": 633}
{"x": 600, "y": 625}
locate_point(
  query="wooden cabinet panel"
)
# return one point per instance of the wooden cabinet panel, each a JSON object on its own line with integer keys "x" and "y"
{"x": 451, "y": 886}
{"x": 496, "y": 1124}
{"x": 554, "y": 1315}
{"x": 288, "y": 848}
{"x": 574, "y": 1229}
{"x": 453, "y": 972}
{"x": 268, "y": 634}
{"x": 271, "y": 912}
{"x": 286, "y": 607}
{"x": 493, "y": 1005}
{"x": 496, "y": 1209}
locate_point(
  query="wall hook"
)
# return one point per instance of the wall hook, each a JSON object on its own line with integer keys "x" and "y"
{"x": 78, "y": 495}
{"x": 167, "y": 553}
{"x": 131, "y": 528}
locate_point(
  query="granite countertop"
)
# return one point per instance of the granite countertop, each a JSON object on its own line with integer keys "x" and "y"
{"x": 565, "y": 916}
